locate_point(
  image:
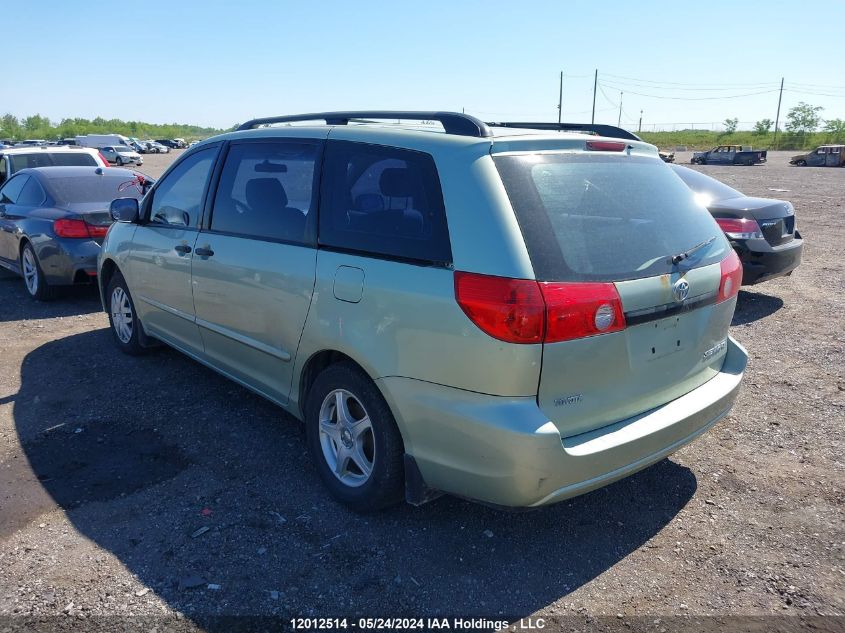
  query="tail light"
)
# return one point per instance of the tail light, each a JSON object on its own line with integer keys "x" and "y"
{"x": 740, "y": 228}
{"x": 525, "y": 311}
{"x": 510, "y": 310}
{"x": 104, "y": 159}
{"x": 577, "y": 310}
{"x": 605, "y": 146}
{"x": 78, "y": 229}
{"x": 731, "y": 277}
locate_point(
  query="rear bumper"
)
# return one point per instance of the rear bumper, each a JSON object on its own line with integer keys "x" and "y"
{"x": 770, "y": 261}
{"x": 504, "y": 451}
{"x": 68, "y": 261}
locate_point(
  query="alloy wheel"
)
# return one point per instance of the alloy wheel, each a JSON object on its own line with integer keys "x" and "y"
{"x": 30, "y": 271}
{"x": 346, "y": 438}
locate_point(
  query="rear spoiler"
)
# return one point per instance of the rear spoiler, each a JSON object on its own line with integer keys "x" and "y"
{"x": 590, "y": 128}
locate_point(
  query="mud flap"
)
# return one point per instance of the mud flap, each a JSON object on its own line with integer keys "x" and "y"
{"x": 416, "y": 491}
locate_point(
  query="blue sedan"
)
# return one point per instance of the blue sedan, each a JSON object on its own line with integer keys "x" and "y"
{"x": 53, "y": 220}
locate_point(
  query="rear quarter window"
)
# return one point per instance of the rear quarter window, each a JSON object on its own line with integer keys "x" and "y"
{"x": 383, "y": 201}
{"x": 599, "y": 217}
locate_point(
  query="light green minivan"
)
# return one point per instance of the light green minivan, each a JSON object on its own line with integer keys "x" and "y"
{"x": 511, "y": 316}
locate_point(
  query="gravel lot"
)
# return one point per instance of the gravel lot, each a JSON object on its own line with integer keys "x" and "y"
{"x": 153, "y": 486}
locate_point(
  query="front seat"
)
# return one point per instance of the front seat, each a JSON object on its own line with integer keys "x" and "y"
{"x": 267, "y": 199}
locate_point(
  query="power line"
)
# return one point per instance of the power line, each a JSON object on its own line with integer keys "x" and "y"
{"x": 674, "y": 83}
{"x": 653, "y": 96}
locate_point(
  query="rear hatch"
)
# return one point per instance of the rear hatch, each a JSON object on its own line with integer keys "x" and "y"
{"x": 601, "y": 229}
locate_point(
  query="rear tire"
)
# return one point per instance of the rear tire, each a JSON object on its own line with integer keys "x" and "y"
{"x": 353, "y": 439}
{"x": 125, "y": 326}
{"x": 33, "y": 277}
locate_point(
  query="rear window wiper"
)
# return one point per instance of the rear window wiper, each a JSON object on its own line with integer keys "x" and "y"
{"x": 677, "y": 259}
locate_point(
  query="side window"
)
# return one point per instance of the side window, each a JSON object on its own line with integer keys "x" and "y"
{"x": 12, "y": 189}
{"x": 266, "y": 190}
{"x": 32, "y": 194}
{"x": 2, "y": 169}
{"x": 821, "y": 150}
{"x": 383, "y": 201}
{"x": 178, "y": 198}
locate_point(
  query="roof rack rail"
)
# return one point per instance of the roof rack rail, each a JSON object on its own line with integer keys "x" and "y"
{"x": 602, "y": 130}
{"x": 453, "y": 122}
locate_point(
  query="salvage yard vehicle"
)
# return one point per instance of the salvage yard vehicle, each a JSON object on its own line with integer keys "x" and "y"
{"x": 666, "y": 156}
{"x": 121, "y": 155}
{"x": 761, "y": 230}
{"x": 14, "y": 159}
{"x": 53, "y": 220}
{"x": 508, "y": 316}
{"x": 729, "y": 155}
{"x": 822, "y": 156}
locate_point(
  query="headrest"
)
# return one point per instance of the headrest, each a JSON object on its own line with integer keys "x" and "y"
{"x": 266, "y": 191}
{"x": 395, "y": 182}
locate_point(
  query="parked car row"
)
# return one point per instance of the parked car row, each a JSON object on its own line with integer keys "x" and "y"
{"x": 576, "y": 283}
{"x": 149, "y": 147}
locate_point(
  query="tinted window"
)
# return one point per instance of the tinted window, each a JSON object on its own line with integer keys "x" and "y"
{"x": 12, "y": 189}
{"x": 94, "y": 188}
{"x": 178, "y": 198}
{"x": 384, "y": 201}
{"x": 266, "y": 190}
{"x": 47, "y": 159}
{"x": 709, "y": 189}
{"x": 605, "y": 218}
{"x": 32, "y": 194}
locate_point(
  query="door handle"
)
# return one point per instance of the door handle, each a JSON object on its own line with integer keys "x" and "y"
{"x": 182, "y": 249}
{"x": 204, "y": 252}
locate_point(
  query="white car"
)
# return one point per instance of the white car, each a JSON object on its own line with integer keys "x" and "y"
{"x": 13, "y": 159}
{"x": 121, "y": 155}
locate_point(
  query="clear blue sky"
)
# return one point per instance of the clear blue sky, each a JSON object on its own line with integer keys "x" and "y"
{"x": 217, "y": 63}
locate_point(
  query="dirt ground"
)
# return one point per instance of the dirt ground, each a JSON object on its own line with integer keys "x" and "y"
{"x": 112, "y": 468}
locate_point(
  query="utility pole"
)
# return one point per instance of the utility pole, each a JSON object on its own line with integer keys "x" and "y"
{"x": 595, "y": 83}
{"x": 777, "y": 116}
{"x": 640, "y": 126}
{"x": 619, "y": 120}
{"x": 560, "y": 99}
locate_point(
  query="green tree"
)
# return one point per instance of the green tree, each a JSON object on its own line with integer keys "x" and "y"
{"x": 803, "y": 118}
{"x": 730, "y": 126}
{"x": 762, "y": 127}
{"x": 835, "y": 130}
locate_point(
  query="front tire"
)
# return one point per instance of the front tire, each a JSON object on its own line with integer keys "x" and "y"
{"x": 33, "y": 277}
{"x": 125, "y": 326}
{"x": 801, "y": 163}
{"x": 353, "y": 439}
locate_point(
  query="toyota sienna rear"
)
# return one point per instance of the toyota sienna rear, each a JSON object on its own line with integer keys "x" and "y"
{"x": 508, "y": 316}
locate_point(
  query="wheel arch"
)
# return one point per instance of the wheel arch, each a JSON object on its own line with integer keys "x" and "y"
{"x": 316, "y": 363}
{"x": 104, "y": 277}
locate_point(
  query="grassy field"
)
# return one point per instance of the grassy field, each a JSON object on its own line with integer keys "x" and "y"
{"x": 705, "y": 139}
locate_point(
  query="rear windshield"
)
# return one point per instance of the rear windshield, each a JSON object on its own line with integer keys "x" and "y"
{"x": 599, "y": 217}
{"x": 51, "y": 159}
{"x": 707, "y": 189}
{"x": 92, "y": 188}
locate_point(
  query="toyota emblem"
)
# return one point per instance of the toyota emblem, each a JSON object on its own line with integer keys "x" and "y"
{"x": 680, "y": 291}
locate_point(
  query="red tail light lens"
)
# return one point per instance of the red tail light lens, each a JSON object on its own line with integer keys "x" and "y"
{"x": 731, "y": 277}
{"x": 524, "y": 311}
{"x": 70, "y": 228}
{"x": 605, "y": 146}
{"x": 103, "y": 158}
{"x": 577, "y": 310}
{"x": 510, "y": 310}
{"x": 739, "y": 228}
{"x": 78, "y": 229}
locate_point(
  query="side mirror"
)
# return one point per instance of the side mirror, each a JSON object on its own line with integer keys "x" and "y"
{"x": 124, "y": 210}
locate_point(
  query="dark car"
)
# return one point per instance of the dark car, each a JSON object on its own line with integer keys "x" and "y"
{"x": 730, "y": 155}
{"x": 822, "y": 156}
{"x": 168, "y": 143}
{"x": 53, "y": 220}
{"x": 761, "y": 230}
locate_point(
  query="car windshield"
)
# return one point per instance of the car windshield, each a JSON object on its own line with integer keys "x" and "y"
{"x": 597, "y": 217}
{"x": 51, "y": 159}
{"x": 94, "y": 188}
{"x": 123, "y": 149}
{"x": 707, "y": 189}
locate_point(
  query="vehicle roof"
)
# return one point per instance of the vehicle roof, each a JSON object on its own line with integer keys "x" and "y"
{"x": 432, "y": 139}
{"x": 48, "y": 148}
{"x": 49, "y": 173}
